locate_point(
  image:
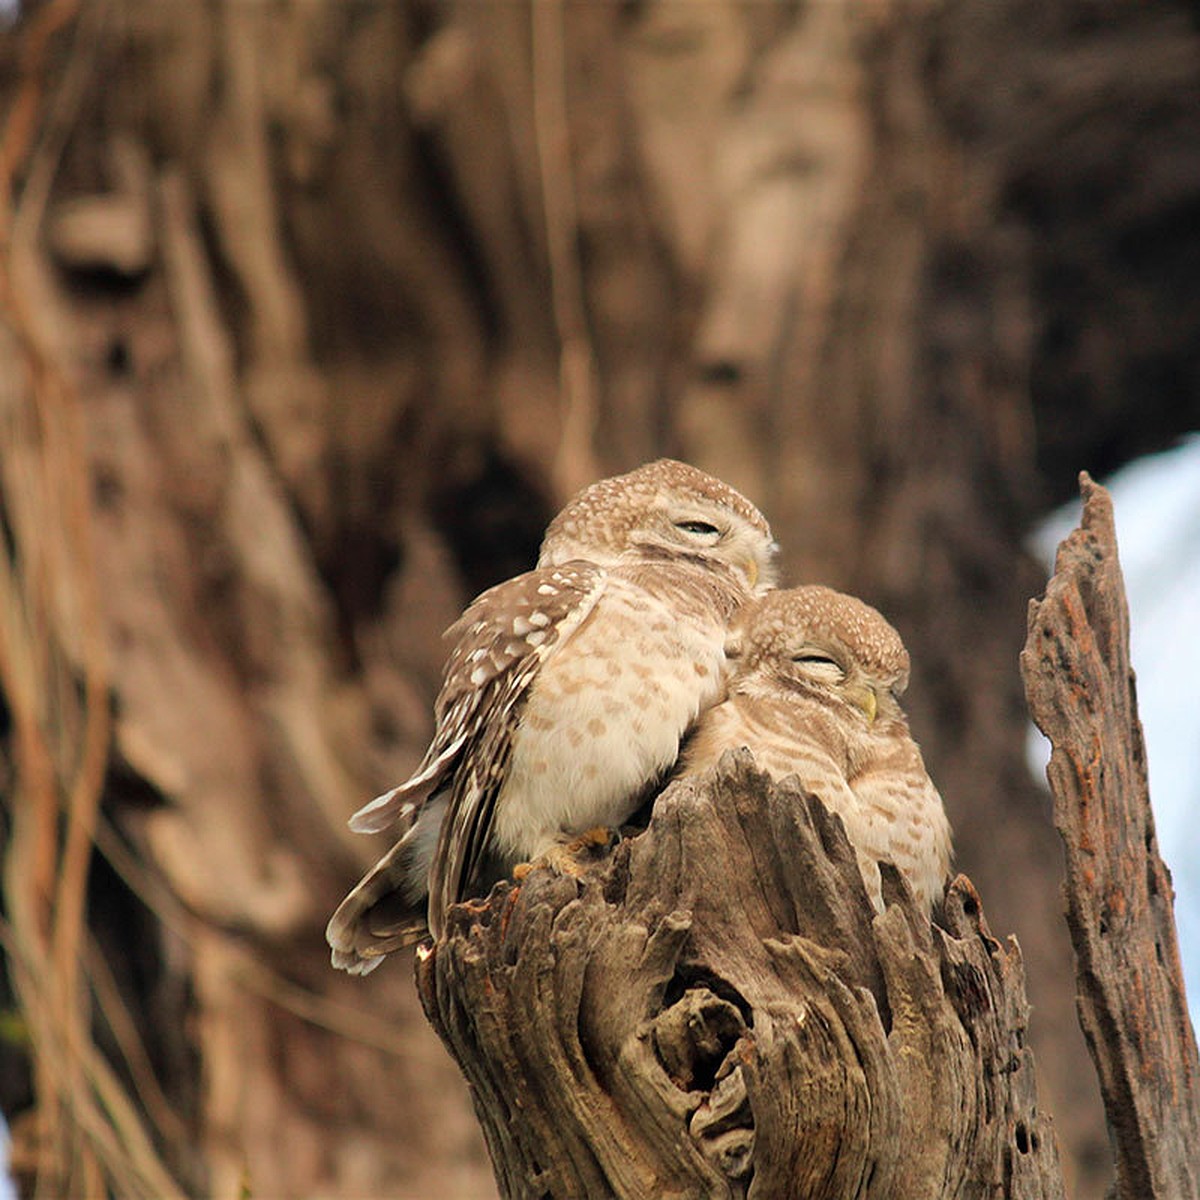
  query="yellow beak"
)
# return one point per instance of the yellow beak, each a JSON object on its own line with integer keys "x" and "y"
{"x": 868, "y": 702}
{"x": 752, "y": 572}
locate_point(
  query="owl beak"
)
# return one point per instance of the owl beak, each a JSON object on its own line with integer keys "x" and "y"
{"x": 752, "y": 573}
{"x": 868, "y": 702}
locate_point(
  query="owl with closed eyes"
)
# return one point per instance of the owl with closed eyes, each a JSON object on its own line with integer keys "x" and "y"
{"x": 565, "y": 696}
{"x": 813, "y": 690}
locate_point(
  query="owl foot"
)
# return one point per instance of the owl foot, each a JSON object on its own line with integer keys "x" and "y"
{"x": 574, "y": 856}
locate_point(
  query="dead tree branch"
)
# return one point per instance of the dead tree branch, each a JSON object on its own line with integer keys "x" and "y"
{"x": 1081, "y": 692}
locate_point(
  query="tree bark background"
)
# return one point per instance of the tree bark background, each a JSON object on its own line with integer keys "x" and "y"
{"x": 314, "y": 312}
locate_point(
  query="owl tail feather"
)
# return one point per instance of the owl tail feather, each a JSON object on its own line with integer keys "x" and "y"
{"x": 386, "y": 909}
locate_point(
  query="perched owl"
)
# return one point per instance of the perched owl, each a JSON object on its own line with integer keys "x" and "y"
{"x": 813, "y": 684}
{"x": 565, "y": 696}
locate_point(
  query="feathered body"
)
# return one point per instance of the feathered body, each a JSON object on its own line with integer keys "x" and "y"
{"x": 565, "y": 695}
{"x": 813, "y": 691}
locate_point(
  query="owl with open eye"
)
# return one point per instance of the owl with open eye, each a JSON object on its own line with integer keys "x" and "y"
{"x": 565, "y": 696}
{"x": 813, "y": 687}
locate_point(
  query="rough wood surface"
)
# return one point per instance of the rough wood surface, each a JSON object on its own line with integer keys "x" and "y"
{"x": 719, "y": 1012}
{"x": 1131, "y": 999}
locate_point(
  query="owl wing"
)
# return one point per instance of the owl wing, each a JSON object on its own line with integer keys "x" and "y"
{"x": 499, "y": 645}
{"x": 905, "y": 820}
{"x": 784, "y": 740}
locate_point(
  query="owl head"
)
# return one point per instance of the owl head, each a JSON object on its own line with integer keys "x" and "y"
{"x": 666, "y": 510}
{"x": 821, "y": 643}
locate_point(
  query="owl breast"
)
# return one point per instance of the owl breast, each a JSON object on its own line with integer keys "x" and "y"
{"x": 605, "y": 716}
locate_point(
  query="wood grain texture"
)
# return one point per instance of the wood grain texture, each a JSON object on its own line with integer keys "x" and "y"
{"x": 718, "y": 1012}
{"x": 1082, "y": 694}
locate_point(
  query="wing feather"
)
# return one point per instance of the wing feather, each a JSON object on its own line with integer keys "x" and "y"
{"x": 403, "y": 801}
{"x": 898, "y": 784}
{"x": 502, "y": 641}
{"x": 511, "y": 622}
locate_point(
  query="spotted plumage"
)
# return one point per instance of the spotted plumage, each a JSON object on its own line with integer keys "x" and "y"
{"x": 565, "y": 695}
{"x": 813, "y": 690}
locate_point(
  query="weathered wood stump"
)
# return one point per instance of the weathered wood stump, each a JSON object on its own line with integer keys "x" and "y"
{"x": 719, "y": 1012}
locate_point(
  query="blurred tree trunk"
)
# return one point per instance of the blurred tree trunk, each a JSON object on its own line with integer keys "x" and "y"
{"x": 312, "y": 315}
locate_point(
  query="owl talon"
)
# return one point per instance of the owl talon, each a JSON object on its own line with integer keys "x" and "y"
{"x": 599, "y": 840}
{"x": 575, "y": 856}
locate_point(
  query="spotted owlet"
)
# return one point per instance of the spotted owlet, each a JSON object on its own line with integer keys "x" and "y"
{"x": 813, "y": 684}
{"x": 564, "y": 698}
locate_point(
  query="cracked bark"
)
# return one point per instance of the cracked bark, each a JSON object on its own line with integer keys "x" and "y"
{"x": 719, "y": 1012}
{"x": 1130, "y": 992}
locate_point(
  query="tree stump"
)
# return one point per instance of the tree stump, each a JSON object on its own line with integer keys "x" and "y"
{"x": 1130, "y": 992}
{"x": 719, "y": 1011}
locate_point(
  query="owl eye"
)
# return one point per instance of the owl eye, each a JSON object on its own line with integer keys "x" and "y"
{"x": 700, "y": 528}
{"x": 819, "y": 666}
{"x": 811, "y": 656}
